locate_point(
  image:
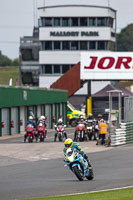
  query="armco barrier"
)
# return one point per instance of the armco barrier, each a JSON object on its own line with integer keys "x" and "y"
{"x": 122, "y": 135}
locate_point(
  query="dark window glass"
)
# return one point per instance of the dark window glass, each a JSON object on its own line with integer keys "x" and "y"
{"x": 111, "y": 21}
{"x": 48, "y": 45}
{"x": 92, "y": 45}
{"x": 57, "y": 69}
{"x": 83, "y": 21}
{"x": 65, "y": 68}
{"x": 92, "y": 21}
{"x": 74, "y": 21}
{"x": 41, "y": 21}
{"x": 74, "y": 45}
{"x": 48, "y": 69}
{"x": 57, "y": 45}
{"x": 101, "y": 21}
{"x": 42, "y": 45}
{"x": 65, "y": 45}
{"x": 101, "y": 45}
{"x": 65, "y": 21}
{"x": 83, "y": 45}
{"x": 48, "y": 21}
{"x": 57, "y": 21}
{"x": 42, "y": 69}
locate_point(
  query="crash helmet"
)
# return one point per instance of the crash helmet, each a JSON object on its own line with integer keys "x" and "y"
{"x": 30, "y": 118}
{"x": 81, "y": 117}
{"x": 99, "y": 116}
{"x": 60, "y": 120}
{"x": 42, "y": 118}
{"x": 90, "y": 116}
{"x": 68, "y": 143}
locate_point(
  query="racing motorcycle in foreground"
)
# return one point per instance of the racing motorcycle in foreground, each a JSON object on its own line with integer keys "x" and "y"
{"x": 29, "y": 133}
{"x": 78, "y": 164}
{"x": 60, "y": 132}
{"x": 80, "y": 133}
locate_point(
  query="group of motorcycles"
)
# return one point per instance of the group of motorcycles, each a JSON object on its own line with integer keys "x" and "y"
{"x": 87, "y": 130}
{"x": 37, "y": 134}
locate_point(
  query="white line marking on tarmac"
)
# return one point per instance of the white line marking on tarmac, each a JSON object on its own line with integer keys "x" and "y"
{"x": 126, "y": 187}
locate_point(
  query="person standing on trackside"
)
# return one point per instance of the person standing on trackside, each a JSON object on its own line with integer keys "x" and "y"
{"x": 102, "y": 130}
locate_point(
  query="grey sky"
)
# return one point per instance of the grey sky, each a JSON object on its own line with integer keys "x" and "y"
{"x": 17, "y": 18}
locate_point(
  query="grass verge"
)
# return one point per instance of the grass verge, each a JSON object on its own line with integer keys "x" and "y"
{"x": 8, "y": 72}
{"x": 120, "y": 194}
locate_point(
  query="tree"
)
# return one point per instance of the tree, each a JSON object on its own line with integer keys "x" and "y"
{"x": 125, "y": 39}
{"x": 15, "y": 62}
{"x": 5, "y": 61}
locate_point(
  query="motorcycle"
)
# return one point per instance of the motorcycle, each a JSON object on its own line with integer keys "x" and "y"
{"x": 80, "y": 132}
{"x": 29, "y": 133}
{"x": 78, "y": 165}
{"x": 60, "y": 132}
{"x": 41, "y": 133}
{"x": 90, "y": 129}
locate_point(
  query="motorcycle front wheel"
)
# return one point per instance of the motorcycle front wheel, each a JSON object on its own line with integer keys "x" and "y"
{"x": 78, "y": 173}
{"x": 91, "y": 175}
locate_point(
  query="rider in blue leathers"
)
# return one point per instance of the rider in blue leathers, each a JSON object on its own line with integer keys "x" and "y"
{"x": 74, "y": 145}
{"x": 33, "y": 124}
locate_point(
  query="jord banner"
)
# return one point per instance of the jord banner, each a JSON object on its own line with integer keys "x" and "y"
{"x": 106, "y": 66}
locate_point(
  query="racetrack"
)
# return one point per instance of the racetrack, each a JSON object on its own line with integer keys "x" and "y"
{"x": 41, "y": 171}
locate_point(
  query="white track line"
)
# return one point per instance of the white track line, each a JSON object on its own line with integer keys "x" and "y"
{"x": 126, "y": 187}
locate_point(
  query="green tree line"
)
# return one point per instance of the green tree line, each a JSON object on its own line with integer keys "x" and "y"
{"x": 5, "y": 61}
{"x": 125, "y": 39}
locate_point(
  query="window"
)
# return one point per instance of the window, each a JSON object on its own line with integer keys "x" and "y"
{"x": 57, "y": 45}
{"x": 65, "y": 68}
{"x": 101, "y": 45}
{"x": 57, "y": 21}
{"x": 48, "y": 21}
{"x": 57, "y": 69}
{"x": 74, "y": 21}
{"x": 65, "y": 21}
{"x": 74, "y": 45}
{"x": 65, "y": 45}
{"x": 83, "y": 21}
{"x": 48, "y": 45}
{"x": 48, "y": 69}
{"x": 111, "y": 21}
{"x": 101, "y": 21}
{"x": 92, "y": 21}
{"x": 92, "y": 45}
{"x": 83, "y": 45}
{"x": 41, "y": 21}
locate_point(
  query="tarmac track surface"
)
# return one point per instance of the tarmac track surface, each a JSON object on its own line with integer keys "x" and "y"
{"x": 35, "y": 170}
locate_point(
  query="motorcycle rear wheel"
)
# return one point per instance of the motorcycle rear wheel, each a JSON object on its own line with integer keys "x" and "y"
{"x": 78, "y": 174}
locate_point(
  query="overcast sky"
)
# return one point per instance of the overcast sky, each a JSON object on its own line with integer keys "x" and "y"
{"x": 17, "y": 18}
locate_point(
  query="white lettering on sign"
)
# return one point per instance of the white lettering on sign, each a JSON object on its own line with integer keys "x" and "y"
{"x": 107, "y": 66}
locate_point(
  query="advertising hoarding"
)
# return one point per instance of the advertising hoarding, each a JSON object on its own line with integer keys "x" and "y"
{"x": 106, "y": 65}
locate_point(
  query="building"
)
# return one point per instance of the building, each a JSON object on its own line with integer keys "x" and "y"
{"x": 29, "y": 58}
{"x": 65, "y": 31}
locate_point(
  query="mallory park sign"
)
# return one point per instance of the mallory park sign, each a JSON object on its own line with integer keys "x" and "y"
{"x": 106, "y": 66}
{"x": 73, "y": 33}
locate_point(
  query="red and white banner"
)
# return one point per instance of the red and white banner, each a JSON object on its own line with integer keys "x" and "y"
{"x": 106, "y": 65}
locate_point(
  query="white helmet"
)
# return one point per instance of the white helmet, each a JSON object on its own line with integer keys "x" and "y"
{"x": 43, "y": 118}
{"x": 60, "y": 120}
{"x": 30, "y": 118}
